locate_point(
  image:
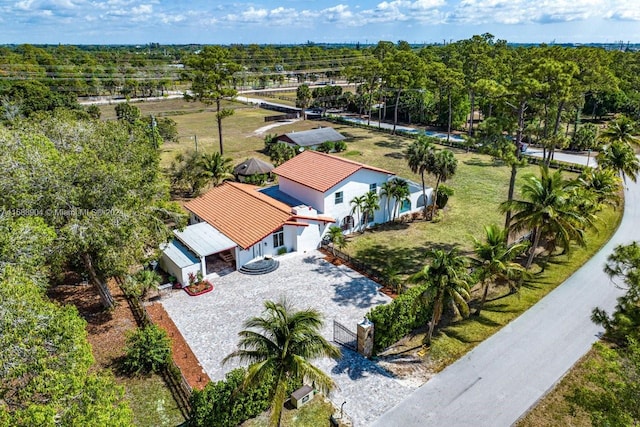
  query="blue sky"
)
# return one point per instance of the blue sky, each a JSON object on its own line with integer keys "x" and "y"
{"x": 288, "y": 21}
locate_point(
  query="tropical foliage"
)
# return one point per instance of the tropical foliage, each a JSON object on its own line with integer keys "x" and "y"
{"x": 279, "y": 346}
{"x": 148, "y": 350}
{"x": 495, "y": 261}
{"x": 47, "y": 376}
{"x": 446, "y": 284}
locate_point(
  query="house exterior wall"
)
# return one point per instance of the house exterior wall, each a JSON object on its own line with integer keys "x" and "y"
{"x": 307, "y": 195}
{"x": 356, "y": 185}
{"x": 308, "y": 238}
{"x": 181, "y": 274}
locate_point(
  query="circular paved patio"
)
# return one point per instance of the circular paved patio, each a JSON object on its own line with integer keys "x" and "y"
{"x": 210, "y": 324}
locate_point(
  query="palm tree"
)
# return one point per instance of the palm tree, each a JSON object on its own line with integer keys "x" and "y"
{"x": 400, "y": 194}
{"x": 216, "y": 168}
{"x": 604, "y": 184}
{"x": 420, "y": 156}
{"x": 337, "y": 239}
{"x": 620, "y": 130}
{"x": 446, "y": 283}
{"x": 443, "y": 167}
{"x": 621, "y": 158}
{"x": 495, "y": 260}
{"x": 547, "y": 210}
{"x": 357, "y": 206}
{"x": 369, "y": 207}
{"x": 279, "y": 345}
{"x": 386, "y": 191}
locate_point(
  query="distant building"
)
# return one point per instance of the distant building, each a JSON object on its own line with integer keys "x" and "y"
{"x": 311, "y": 139}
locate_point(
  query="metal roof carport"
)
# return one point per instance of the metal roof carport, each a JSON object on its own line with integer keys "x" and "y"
{"x": 203, "y": 239}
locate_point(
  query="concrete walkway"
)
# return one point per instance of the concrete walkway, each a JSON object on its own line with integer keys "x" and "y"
{"x": 210, "y": 324}
{"x": 502, "y": 378}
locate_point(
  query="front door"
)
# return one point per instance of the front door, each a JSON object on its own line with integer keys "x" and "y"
{"x": 257, "y": 250}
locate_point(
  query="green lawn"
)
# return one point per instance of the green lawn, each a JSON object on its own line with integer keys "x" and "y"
{"x": 314, "y": 414}
{"x": 151, "y": 402}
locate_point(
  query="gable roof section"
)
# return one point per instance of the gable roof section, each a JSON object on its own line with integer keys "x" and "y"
{"x": 309, "y": 138}
{"x": 240, "y": 212}
{"x": 320, "y": 171}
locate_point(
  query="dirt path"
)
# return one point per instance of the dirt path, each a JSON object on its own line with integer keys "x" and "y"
{"x": 263, "y": 129}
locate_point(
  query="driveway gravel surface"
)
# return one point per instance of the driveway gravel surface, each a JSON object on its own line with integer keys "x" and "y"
{"x": 210, "y": 324}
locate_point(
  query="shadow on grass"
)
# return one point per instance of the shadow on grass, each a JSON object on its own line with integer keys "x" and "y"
{"x": 395, "y": 155}
{"x": 475, "y": 161}
{"x": 394, "y": 145}
{"x": 351, "y": 137}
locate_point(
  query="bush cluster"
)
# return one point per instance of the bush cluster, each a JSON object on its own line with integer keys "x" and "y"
{"x": 148, "y": 350}
{"x": 226, "y": 404}
{"x": 395, "y": 320}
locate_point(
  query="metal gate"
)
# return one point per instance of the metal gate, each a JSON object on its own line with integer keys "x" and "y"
{"x": 342, "y": 335}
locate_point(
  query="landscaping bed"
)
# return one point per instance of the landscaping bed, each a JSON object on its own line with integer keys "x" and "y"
{"x": 183, "y": 356}
{"x": 148, "y": 396}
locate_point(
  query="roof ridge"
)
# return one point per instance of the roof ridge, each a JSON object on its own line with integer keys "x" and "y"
{"x": 353, "y": 162}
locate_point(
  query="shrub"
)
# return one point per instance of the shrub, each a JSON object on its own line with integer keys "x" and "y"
{"x": 326, "y": 147}
{"x": 226, "y": 404}
{"x": 443, "y": 195}
{"x": 340, "y": 146}
{"x": 257, "y": 179}
{"x": 139, "y": 284}
{"x": 282, "y": 251}
{"x": 148, "y": 350}
{"x": 395, "y": 320}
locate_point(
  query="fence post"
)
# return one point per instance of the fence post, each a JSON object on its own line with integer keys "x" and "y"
{"x": 365, "y": 338}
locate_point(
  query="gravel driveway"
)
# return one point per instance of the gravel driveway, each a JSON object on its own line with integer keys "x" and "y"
{"x": 210, "y": 324}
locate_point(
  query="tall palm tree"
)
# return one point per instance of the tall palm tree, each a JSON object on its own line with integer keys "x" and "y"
{"x": 369, "y": 207}
{"x": 386, "y": 191}
{"x": 279, "y": 345}
{"x": 446, "y": 283}
{"x": 400, "y": 193}
{"x": 620, "y": 157}
{"x": 443, "y": 167}
{"x": 495, "y": 260}
{"x": 420, "y": 156}
{"x": 216, "y": 168}
{"x": 548, "y": 212}
{"x": 357, "y": 207}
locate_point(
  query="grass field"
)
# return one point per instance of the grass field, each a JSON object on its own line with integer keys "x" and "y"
{"x": 151, "y": 402}
{"x": 313, "y": 414}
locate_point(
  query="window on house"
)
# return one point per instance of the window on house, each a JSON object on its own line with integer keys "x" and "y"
{"x": 373, "y": 187}
{"x": 406, "y": 206}
{"x": 339, "y": 197}
{"x": 278, "y": 238}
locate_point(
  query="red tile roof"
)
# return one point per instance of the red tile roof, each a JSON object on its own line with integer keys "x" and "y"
{"x": 320, "y": 171}
{"x": 240, "y": 212}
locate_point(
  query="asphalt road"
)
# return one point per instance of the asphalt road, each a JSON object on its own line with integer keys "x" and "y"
{"x": 567, "y": 156}
{"x": 502, "y": 378}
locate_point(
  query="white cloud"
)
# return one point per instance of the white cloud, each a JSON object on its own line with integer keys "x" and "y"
{"x": 524, "y": 12}
{"x": 624, "y": 10}
{"x": 143, "y": 9}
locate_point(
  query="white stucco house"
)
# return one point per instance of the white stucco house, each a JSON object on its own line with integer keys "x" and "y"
{"x": 234, "y": 224}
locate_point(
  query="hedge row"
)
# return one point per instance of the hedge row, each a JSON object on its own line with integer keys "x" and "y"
{"x": 226, "y": 403}
{"x": 397, "y": 319}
